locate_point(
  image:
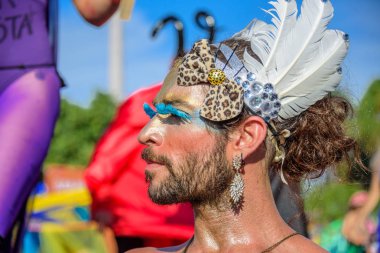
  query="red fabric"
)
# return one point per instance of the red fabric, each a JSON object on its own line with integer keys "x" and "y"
{"x": 116, "y": 179}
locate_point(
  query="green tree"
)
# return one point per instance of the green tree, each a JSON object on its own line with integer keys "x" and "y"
{"x": 78, "y": 129}
{"x": 329, "y": 201}
{"x": 368, "y": 118}
{"x": 367, "y": 132}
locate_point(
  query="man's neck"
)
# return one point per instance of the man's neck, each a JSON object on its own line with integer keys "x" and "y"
{"x": 256, "y": 225}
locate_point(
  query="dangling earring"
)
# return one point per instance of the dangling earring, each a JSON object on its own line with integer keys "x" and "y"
{"x": 237, "y": 185}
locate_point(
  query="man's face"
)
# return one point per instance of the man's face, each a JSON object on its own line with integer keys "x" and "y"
{"x": 186, "y": 161}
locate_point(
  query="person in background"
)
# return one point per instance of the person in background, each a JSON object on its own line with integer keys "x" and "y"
{"x": 332, "y": 238}
{"x": 29, "y": 98}
{"x": 354, "y": 228}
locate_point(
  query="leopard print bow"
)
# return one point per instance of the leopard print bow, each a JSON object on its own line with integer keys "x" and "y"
{"x": 224, "y": 100}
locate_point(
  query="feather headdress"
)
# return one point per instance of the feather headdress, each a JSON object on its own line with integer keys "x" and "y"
{"x": 298, "y": 55}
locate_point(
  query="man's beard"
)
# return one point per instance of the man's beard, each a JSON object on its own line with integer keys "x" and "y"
{"x": 200, "y": 178}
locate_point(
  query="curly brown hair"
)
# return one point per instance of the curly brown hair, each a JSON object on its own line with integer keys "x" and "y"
{"x": 318, "y": 138}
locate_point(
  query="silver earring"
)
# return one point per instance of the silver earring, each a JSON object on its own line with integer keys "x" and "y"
{"x": 237, "y": 185}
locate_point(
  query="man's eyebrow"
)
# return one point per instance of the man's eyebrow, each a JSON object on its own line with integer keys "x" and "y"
{"x": 174, "y": 102}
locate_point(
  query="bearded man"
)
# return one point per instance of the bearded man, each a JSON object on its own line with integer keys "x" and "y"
{"x": 229, "y": 114}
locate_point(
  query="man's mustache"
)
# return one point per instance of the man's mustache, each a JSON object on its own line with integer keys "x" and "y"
{"x": 148, "y": 155}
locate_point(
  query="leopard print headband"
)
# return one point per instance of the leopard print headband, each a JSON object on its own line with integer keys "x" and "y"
{"x": 224, "y": 100}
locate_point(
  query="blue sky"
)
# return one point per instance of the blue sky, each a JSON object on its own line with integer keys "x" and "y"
{"x": 83, "y": 49}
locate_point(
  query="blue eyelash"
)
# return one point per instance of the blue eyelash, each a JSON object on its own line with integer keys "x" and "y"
{"x": 169, "y": 109}
{"x": 165, "y": 109}
{"x": 149, "y": 111}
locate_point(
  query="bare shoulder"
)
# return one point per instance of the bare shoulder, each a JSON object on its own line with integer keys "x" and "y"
{"x": 302, "y": 244}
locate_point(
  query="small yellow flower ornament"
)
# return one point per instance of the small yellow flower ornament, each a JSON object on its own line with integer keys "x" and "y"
{"x": 216, "y": 76}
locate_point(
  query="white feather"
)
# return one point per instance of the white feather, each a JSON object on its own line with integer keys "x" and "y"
{"x": 331, "y": 52}
{"x": 301, "y": 44}
{"x": 266, "y": 38}
{"x": 293, "y": 108}
{"x": 299, "y": 56}
{"x": 319, "y": 77}
{"x": 284, "y": 16}
{"x": 251, "y": 63}
{"x": 249, "y": 33}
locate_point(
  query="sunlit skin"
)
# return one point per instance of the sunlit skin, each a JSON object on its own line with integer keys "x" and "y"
{"x": 218, "y": 228}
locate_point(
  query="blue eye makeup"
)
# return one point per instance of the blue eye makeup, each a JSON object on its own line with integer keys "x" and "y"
{"x": 165, "y": 109}
{"x": 149, "y": 111}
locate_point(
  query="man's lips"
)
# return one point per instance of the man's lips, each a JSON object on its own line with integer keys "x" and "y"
{"x": 152, "y": 162}
{"x": 153, "y": 166}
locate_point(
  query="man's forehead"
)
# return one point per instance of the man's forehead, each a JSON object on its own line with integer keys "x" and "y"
{"x": 170, "y": 92}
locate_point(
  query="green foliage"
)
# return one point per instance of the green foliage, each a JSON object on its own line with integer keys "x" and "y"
{"x": 365, "y": 128}
{"x": 368, "y": 118}
{"x": 78, "y": 129}
{"x": 329, "y": 201}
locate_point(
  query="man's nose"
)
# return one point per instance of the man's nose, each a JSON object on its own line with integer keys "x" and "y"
{"x": 150, "y": 134}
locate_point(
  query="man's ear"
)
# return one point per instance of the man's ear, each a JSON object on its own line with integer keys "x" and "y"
{"x": 249, "y": 135}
